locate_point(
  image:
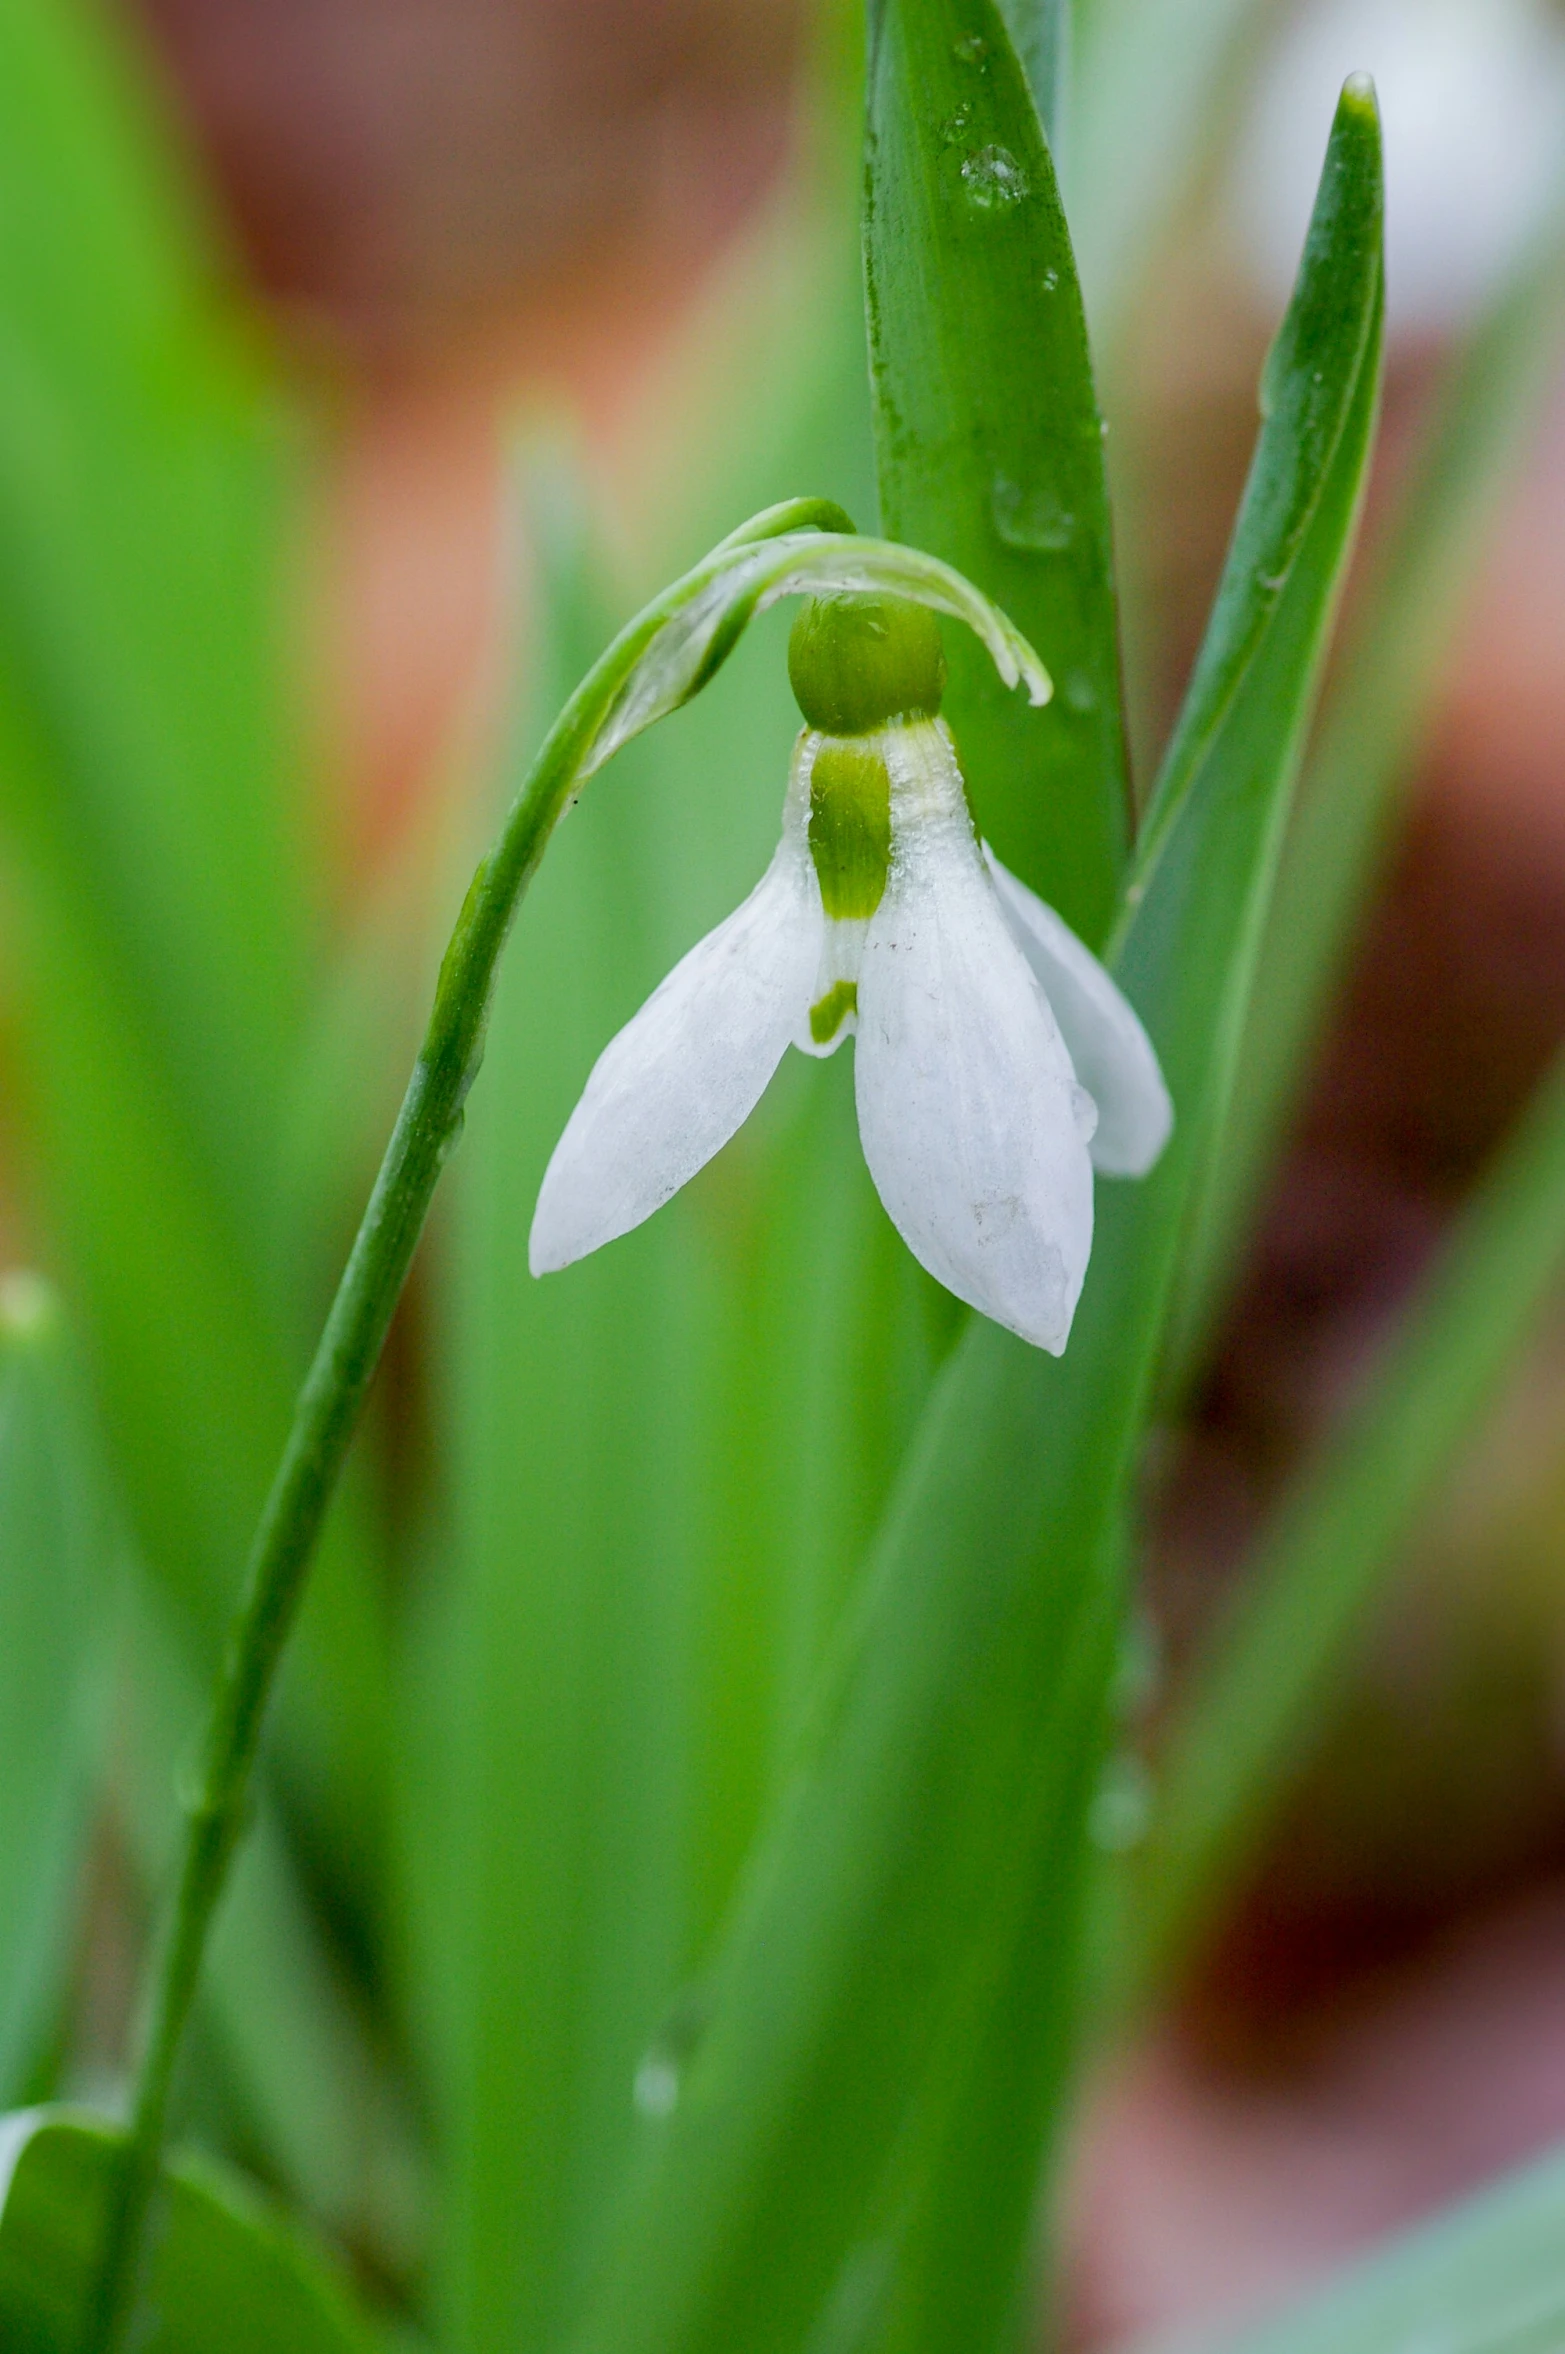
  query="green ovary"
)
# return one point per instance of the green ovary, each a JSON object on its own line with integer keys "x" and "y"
{"x": 850, "y": 829}
{"x": 828, "y": 1013}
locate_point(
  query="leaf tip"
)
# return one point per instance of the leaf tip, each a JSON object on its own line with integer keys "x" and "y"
{"x": 1359, "y": 97}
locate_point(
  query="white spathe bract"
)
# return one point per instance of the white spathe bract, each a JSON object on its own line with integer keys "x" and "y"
{"x": 978, "y": 1016}
{"x": 739, "y": 581}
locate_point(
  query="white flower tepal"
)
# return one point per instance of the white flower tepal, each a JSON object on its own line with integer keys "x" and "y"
{"x": 995, "y": 1059}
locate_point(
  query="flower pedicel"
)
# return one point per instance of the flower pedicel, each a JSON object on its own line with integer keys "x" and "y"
{"x": 996, "y": 1062}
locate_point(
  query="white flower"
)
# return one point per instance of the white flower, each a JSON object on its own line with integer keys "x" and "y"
{"x": 996, "y": 1062}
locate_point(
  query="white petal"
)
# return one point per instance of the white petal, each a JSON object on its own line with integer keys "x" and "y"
{"x": 671, "y": 1089}
{"x": 1111, "y": 1051}
{"x": 966, "y": 1097}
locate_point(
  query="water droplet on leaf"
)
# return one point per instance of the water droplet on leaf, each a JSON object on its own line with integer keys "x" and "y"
{"x": 1031, "y": 517}
{"x": 972, "y": 49}
{"x": 1122, "y": 1809}
{"x": 660, "y": 2076}
{"x": 993, "y": 180}
{"x": 657, "y": 2086}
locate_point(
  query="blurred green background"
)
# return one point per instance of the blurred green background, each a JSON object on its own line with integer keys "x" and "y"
{"x": 360, "y": 370}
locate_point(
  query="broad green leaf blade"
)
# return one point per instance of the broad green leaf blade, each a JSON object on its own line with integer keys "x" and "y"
{"x": 1350, "y": 793}
{"x": 227, "y": 2277}
{"x": 54, "y": 1600}
{"x": 890, "y": 1925}
{"x": 1485, "y": 2277}
{"x": 988, "y": 438}
{"x": 1252, "y": 1711}
{"x": 1185, "y": 952}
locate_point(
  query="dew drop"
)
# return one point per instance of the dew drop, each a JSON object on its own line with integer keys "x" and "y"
{"x": 1051, "y": 280}
{"x": 992, "y": 180}
{"x": 972, "y": 49}
{"x": 659, "y": 2079}
{"x": 1122, "y": 1808}
{"x": 1030, "y": 516}
{"x": 657, "y": 2086}
{"x": 952, "y": 129}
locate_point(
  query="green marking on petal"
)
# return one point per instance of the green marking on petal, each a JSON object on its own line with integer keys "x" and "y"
{"x": 850, "y": 828}
{"x": 828, "y": 1013}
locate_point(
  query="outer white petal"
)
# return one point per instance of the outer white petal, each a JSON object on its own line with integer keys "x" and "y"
{"x": 680, "y": 1078}
{"x": 1111, "y": 1051}
{"x": 968, "y": 1108}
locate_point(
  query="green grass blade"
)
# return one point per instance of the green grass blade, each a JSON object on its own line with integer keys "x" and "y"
{"x": 54, "y": 1600}
{"x": 988, "y": 438}
{"x": 143, "y": 505}
{"x": 1250, "y": 1715}
{"x": 1350, "y": 794}
{"x": 1485, "y": 2277}
{"x": 313, "y": 2096}
{"x": 225, "y": 2272}
{"x": 566, "y": 1908}
{"x": 148, "y": 800}
{"x": 1149, "y": 83}
{"x": 891, "y": 1921}
{"x": 174, "y": 1324}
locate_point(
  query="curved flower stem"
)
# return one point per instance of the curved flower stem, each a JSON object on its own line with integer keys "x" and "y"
{"x": 330, "y": 1402}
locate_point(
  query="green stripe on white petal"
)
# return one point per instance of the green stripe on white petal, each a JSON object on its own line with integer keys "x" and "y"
{"x": 688, "y": 1070}
{"x": 676, "y": 645}
{"x": 968, "y": 1107}
{"x": 1113, "y": 1055}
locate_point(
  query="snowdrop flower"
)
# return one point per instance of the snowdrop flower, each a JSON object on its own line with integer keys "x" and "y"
{"x": 996, "y": 1062}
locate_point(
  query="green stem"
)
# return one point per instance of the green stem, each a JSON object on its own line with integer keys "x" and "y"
{"x": 332, "y": 1398}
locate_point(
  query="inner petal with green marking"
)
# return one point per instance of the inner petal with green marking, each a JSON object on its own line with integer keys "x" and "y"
{"x": 850, "y": 827}
{"x": 828, "y": 1013}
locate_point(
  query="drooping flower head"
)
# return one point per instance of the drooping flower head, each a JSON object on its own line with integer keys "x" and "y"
{"x": 996, "y": 1062}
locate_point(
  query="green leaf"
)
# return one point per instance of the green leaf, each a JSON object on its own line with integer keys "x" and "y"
{"x": 227, "y": 2277}
{"x": 1350, "y": 793}
{"x": 156, "y": 864}
{"x": 54, "y": 1598}
{"x": 1149, "y": 89}
{"x": 1040, "y": 33}
{"x": 1256, "y": 1704}
{"x": 859, "y": 2127}
{"x": 636, "y": 1600}
{"x": 143, "y": 499}
{"x": 1485, "y": 2277}
{"x": 312, "y": 2094}
{"x": 988, "y": 438}
{"x": 563, "y": 1914}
